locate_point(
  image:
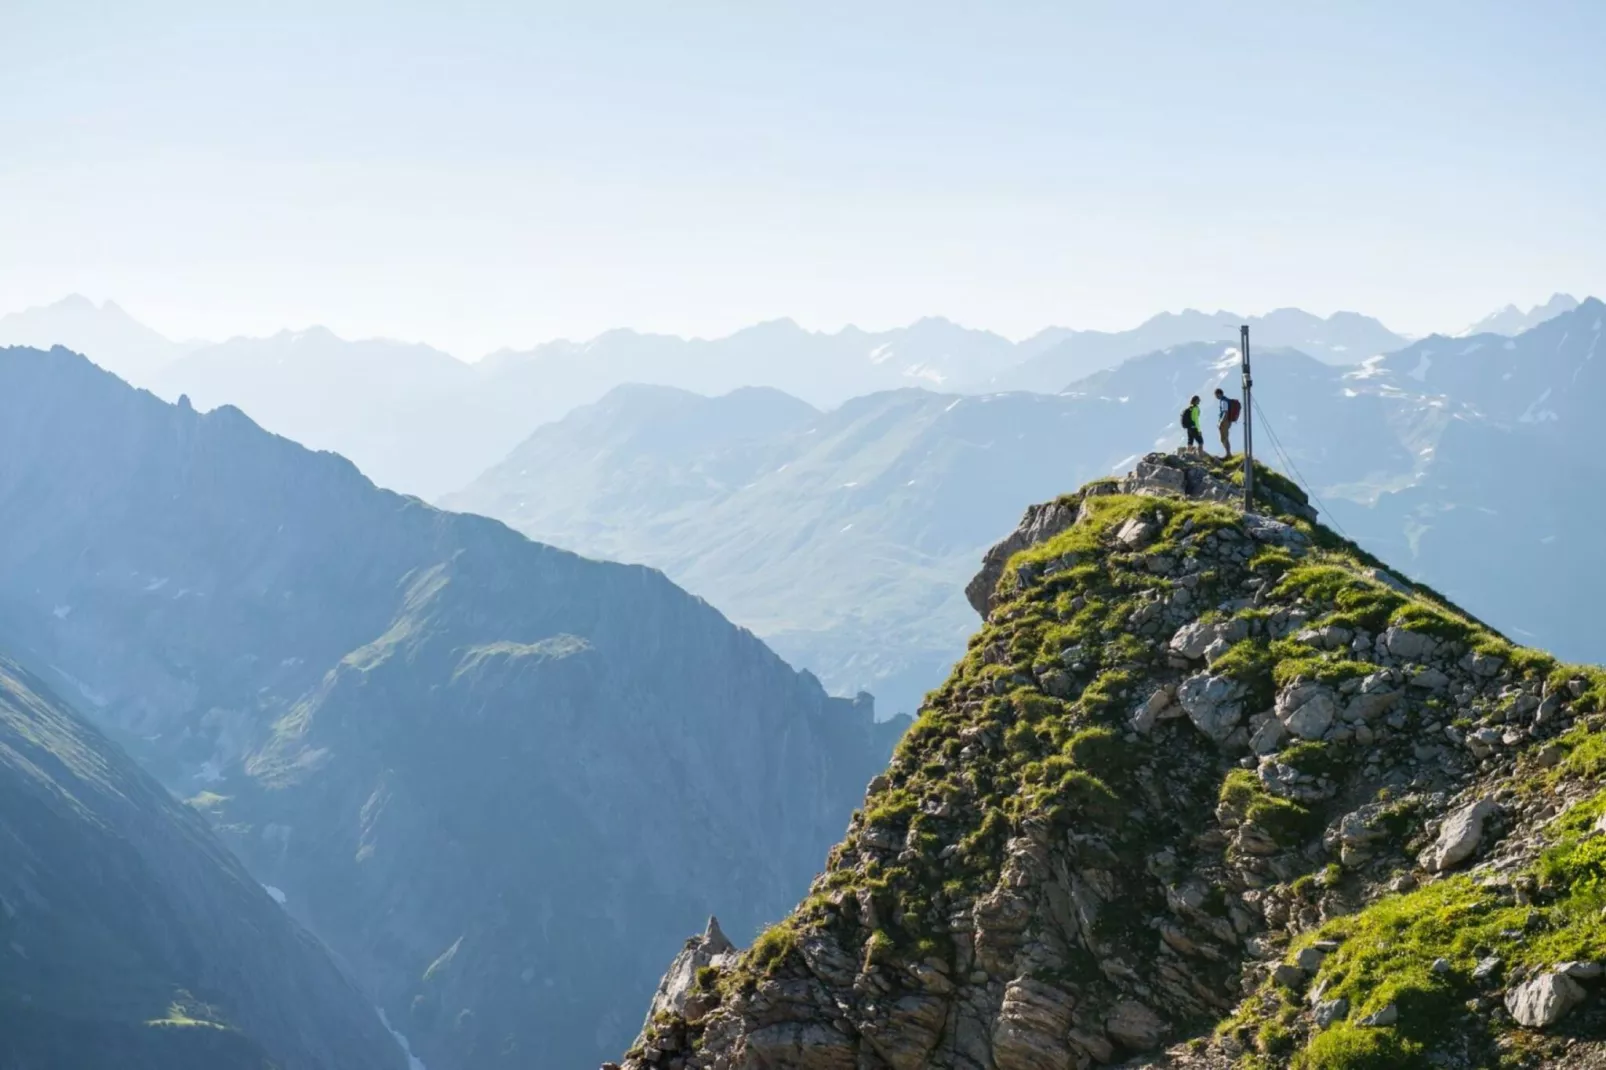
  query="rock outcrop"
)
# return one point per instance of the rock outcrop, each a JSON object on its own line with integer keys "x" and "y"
{"x": 1207, "y": 787}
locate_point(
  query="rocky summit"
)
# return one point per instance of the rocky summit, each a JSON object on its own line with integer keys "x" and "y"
{"x": 1211, "y": 788}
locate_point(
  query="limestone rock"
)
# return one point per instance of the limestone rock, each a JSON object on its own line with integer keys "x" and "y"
{"x": 1135, "y": 534}
{"x": 1407, "y": 645}
{"x": 1386, "y": 1016}
{"x": 1544, "y": 1000}
{"x": 1212, "y": 703}
{"x": 1459, "y": 837}
{"x": 1193, "y": 639}
{"x": 1031, "y": 1027}
{"x": 1307, "y": 709}
{"x": 678, "y": 986}
{"x": 1135, "y": 1025}
{"x": 1041, "y": 523}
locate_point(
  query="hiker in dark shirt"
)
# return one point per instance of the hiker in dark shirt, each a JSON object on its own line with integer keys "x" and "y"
{"x": 1227, "y": 411}
{"x": 1190, "y": 424}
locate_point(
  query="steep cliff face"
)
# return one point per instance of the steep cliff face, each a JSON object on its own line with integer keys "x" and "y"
{"x": 130, "y": 937}
{"x": 497, "y": 778}
{"x": 1209, "y": 789}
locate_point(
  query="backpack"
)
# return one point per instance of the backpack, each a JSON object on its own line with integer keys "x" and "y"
{"x": 1235, "y": 409}
{"x": 1187, "y": 418}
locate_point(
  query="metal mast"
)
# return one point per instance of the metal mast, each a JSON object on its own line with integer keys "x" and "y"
{"x": 1249, "y": 427}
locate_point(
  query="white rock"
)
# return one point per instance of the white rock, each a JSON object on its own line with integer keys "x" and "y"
{"x": 1135, "y": 533}
{"x": 1544, "y": 1001}
{"x": 1195, "y": 637}
{"x": 1458, "y": 839}
{"x": 1212, "y": 703}
{"x": 1404, "y": 643}
{"x": 1307, "y": 709}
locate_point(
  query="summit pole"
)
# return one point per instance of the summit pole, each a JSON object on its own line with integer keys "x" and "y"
{"x": 1249, "y": 427}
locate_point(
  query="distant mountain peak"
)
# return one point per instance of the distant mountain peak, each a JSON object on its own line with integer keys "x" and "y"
{"x": 1513, "y": 320}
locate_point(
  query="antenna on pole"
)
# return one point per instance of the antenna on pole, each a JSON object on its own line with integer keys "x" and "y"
{"x": 1249, "y": 427}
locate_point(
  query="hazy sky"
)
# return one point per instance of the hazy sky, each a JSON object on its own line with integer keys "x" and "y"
{"x": 482, "y": 174}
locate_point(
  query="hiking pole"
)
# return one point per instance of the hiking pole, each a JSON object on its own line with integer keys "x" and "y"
{"x": 1249, "y": 431}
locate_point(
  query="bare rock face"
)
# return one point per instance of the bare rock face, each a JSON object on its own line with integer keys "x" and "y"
{"x": 1041, "y": 522}
{"x": 679, "y": 993}
{"x": 1031, "y": 1027}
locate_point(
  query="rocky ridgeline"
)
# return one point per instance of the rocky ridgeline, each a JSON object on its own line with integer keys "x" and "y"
{"x": 1209, "y": 789}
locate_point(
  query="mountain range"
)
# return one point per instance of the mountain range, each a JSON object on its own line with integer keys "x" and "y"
{"x": 1512, "y": 320}
{"x": 492, "y": 776}
{"x": 1342, "y": 338}
{"x": 119, "y": 343}
{"x": 844, "y": 537}
{"x": 416, "y": 419}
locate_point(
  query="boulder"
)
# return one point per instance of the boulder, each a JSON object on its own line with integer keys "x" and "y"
{"x": 1144, "y": 717}
{"x": 1408, "y": 645}
{"x": 1268, "y": 737}
{"x": 1212, "y": 703}
{"x": 1135, "y": 1026}
{"x": 1329, "y": 1011}
{"x": 1459, "y": 837}
{"x": 1135, "y": 534}
{"x": 1430, "y": 679}
{"x": 1369, "y": 704}
{"x": 1484, "y": 665}
{"x": 1196, "y": 637}
{"x": 1307, "y": 709}
{"x": 1153, "y": 476}
{"x": 1265, "y": 529}
{"x": 1379, "y": 1018}
{"x": 1545, "y": 1000}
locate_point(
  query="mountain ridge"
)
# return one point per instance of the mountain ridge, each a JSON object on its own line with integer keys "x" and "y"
{"x": 1210, "y": 789}
{"x": 360, "y": 687}
{"x": 132, "y": 937}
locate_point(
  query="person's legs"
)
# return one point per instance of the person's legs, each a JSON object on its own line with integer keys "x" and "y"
{"x": 1195, "y": 438}
{"x": 1226, "y": 443}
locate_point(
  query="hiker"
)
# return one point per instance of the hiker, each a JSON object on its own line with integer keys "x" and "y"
{"x": 1227, "y": 412}
{"x": 1190, "y": 424}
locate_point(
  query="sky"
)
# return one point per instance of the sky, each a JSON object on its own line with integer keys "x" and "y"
{"x": 478, "y": 175}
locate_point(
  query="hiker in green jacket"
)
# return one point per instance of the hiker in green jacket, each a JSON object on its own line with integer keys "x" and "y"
{"x": 1190, "y": 424}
